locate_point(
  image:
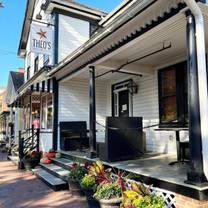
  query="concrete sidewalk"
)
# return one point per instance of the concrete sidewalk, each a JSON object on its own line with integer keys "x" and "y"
{"x": 20, "y": 189}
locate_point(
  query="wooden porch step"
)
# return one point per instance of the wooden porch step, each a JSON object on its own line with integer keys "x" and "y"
{"x": 13, "y": 159}
{"x": 56, "y": 170}
{"x": 52, "y": 181}
{"x": 63, "y": 162}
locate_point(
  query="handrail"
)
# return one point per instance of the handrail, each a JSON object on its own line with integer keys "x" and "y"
{"x": 28, "y": 143}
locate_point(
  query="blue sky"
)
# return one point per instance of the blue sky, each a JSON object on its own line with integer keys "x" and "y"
{"x": 11, "y": 19}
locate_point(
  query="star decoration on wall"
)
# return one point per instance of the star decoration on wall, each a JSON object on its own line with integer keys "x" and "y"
{"x": 42, "y": 34}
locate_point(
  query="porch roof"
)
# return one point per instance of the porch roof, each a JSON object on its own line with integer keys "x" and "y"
{"x": 124, "y": 34}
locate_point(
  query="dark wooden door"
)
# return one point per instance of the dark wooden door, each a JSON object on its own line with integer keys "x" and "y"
{"x": 123, "y": 107}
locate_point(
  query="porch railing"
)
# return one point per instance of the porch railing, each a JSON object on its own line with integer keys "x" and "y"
{"x": 29, "y": 141}
{"x": 13, "y": 147}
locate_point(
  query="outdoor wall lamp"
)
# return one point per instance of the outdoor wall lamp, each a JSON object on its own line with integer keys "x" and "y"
{"x": 39, "y": 16}
{"x": 132, "y": 87}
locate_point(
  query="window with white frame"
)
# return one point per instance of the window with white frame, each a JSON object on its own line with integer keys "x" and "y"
{"x": 47, "y": 111}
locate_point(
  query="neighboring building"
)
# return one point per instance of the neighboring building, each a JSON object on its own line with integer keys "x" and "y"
{"x": 72, "y": 24}
{"x": 3, "y": 115}
{"x": 15, "y": 81}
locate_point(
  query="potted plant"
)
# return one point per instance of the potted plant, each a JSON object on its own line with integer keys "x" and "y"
{"x": 139, "y": 196}
{"x": 89, "y": 186}
{"x": 77, "y": 172}
{"x": 51, "y": 154}
{"x": 109, "y": 195}
{"x": 31, "y": 160}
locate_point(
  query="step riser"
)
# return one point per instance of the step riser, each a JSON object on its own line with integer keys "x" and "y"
{"x": 61, "y": 164}
{"x": 54, "y": 187}
{"x": 75, "y": 158}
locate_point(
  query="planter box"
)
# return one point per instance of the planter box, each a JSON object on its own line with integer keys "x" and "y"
{"x": 75, "y": 188}
{"x": 110, "y": 203}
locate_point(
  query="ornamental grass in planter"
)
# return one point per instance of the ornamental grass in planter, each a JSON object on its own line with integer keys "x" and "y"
{"x": 109, "y": 195}
{"x": 77, "y": 172}
{"x": 31, "y": 160}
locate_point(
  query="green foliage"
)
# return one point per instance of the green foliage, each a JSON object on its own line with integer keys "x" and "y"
{"x": 89, "y": 182}
{"x": 77, "y": 172}
{"x": 101, "y": 174}
{"x": 139, "y": 196}
{"x": 108, "y": 191}
{"x": 151, "y": 201}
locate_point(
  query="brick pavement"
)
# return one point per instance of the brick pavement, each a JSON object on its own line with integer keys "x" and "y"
{"x": 20, "y": 189}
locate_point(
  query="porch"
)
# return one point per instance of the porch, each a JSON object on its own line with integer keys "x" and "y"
{"x": 158, "y": 55}
{"x": 152, "y": 169}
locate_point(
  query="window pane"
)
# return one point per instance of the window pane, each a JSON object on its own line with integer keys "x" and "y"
{"x": 168, "y": 82}
{"x": 49, "y": 112}
{"x": 43, "y": 112}
{"x": 168, "y": 103}
{"x": 169, "y": 109}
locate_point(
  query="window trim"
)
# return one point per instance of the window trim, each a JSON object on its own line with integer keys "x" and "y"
{"x": 46, "y": 115}
{"x": 180, "y": 101}
{"x": 36, "y": 64}
{"x": 28, "y": 72}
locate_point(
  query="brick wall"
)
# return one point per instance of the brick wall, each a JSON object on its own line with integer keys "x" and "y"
{"x": 186, "y": 202}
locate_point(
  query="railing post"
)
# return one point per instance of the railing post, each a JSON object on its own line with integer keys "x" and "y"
{"x": 21, "y": 152}
{"x": 33, "y": 135}
{"x": 38, "y": 140}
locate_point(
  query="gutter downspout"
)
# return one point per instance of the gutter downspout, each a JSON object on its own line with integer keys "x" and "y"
{"x": 202, "y": 78}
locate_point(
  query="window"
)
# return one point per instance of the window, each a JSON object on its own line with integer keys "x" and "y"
{"x": 47, "y": 112}
{"x": 28, "y": 72}
{"x": 36, "y": 64}
{"x": 173, "y": 96}
{"x": 45, "y": 59}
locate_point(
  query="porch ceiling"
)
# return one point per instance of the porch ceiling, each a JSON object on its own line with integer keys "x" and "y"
{"x": 174, "y": 33}
{"x": 171, "y": 31}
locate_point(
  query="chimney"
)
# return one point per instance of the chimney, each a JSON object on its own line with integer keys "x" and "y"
{"x": 21, "y": 70}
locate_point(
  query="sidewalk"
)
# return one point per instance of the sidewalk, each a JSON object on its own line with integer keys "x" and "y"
{"x": 20, "y": 189}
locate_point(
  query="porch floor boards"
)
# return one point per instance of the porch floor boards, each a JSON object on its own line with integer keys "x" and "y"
{"x": 152, "y": 165}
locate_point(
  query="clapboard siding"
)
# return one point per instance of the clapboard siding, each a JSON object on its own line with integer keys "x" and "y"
{"x": 73, "y": 33}
{"x": 74, "y": 106}
{"x": 146, "y": 105}
{"x": 74, "y": 102}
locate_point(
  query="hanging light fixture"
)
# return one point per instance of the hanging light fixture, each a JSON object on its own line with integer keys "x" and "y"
{"x": 39, "y": 16}
{"x": 132, "y": 87}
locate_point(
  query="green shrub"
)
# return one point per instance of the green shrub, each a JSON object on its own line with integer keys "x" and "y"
{"x": 89, "y": 182}
{"x": 77, "y": 172}
{"x": 108, "y": 191}
{"x": 151, "y": 201}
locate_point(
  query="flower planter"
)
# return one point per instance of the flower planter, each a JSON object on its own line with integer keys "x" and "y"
{"x": 75, "y": 188}
{"x": 110, "y": 203}
{"x": 30, "y": 164}
{"x": 92, "y": 202}
{"x": 51, "y": 155}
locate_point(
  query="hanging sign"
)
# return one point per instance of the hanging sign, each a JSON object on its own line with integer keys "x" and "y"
{"x": 41, "y": 39}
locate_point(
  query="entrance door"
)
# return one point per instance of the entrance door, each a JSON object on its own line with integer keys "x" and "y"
{"x": 123, "y": 103}
{"x": 121, "y": 99}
